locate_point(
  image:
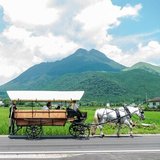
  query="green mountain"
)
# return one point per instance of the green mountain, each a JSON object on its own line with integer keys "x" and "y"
{"x": 101, "y": 78}
{"x": 145, "y": 66}
{"x": 128, "y": 86}
{"x": 81, "y": 61}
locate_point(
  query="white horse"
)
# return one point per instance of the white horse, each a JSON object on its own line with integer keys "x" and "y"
{"x": 121, "y": 115}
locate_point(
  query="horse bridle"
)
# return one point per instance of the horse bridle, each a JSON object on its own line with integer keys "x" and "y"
{"x": 129, "y": 113}
{"x": 142, "y": 112}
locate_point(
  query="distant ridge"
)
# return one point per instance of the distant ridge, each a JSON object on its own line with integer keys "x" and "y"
{"x": 144, "y": 66}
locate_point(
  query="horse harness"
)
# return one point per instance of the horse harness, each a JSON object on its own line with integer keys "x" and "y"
{"x": 128, "y": 112}
{"x": 118, "y": 115}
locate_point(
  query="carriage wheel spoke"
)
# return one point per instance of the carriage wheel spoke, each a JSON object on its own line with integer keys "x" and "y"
{"x": 33, "y": 132}
{"x": 79, "y": 130}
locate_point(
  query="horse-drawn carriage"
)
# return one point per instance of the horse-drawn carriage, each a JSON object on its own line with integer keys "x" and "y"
{"x": 35, "y": 119}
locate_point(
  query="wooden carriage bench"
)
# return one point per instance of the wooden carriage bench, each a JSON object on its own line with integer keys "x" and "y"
{"x": 40, "y": 117}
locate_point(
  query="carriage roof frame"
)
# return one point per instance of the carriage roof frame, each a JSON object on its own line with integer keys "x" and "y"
{"x": 45, "y": 96}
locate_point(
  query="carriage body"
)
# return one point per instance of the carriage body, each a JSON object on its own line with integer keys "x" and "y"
{"x": 40, "y": 117}
{"x": 34, "y": 119}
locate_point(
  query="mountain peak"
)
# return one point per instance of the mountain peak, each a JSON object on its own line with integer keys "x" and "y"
{"x": 87, "y": 55}
{"x": 95, "y": 57}
{"x": 144, "y": 64}
{"x": 97, "y": 53}
{"x": 141, "y": 64}
{"x": 80, "y": 50}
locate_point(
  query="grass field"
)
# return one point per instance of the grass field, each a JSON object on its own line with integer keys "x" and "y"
{"x": 150, "y": 118}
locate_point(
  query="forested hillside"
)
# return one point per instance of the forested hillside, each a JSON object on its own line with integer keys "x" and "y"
{"x": 102, "y": 79}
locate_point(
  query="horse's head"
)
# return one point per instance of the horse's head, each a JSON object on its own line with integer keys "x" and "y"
{"x": 140, "y": 113}
{"x": 134, "y": 109}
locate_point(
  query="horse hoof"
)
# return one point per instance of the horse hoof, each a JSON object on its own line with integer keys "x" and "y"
{"x": 102, "y": 135}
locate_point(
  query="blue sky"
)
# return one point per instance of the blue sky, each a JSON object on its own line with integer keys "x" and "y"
{"x": 2, "y": 23}
{"x": 147, "y": 21}
{"x": 31, "y": 32}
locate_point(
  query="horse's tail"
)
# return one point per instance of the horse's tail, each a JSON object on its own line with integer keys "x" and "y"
{"x": 96, "y": 118}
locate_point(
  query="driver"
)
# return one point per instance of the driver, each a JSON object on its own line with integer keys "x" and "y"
{"x": 47, "y": 106}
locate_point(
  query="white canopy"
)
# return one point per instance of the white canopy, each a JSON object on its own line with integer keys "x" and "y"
{"x": 45, "y": 95}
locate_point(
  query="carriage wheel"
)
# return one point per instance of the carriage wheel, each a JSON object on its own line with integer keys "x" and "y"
{"x": 33, "y": 132}
{"x": 73, "y": 129}
{"x": 83, "y": 131}
{"x": 79, "y": 130}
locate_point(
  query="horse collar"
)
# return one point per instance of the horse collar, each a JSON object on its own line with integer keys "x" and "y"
{"x": 127, "y": 110}
{"x": 118, "y": 115}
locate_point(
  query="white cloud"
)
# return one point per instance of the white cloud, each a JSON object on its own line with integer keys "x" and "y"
{"x": 51, "y": 47}
{"x": 133, "y": 40}
{"x": 116, "y": 54}
{"x": 29, "y": 12}
{"x": 97, "y": 18}
{"x": 145, "y": 53}
{"x": 130, "y": 11}
{"x": 15, "y": 33}
{"x": 14, "y": 59}
{"x": 45, "y": 30}
{"x": 19, "y": 50}
{"x": 150, "y": 52}
{"x": 47, "y": 45}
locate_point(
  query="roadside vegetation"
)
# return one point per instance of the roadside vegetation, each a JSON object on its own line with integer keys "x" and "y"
{"x": 151, "y": 117}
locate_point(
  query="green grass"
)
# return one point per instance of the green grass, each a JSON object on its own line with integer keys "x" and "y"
{"x": 4, "y": 121}
{"x": 150, "y": 118}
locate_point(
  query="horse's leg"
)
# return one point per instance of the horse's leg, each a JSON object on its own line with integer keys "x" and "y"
{"x": 127, "y": 122}
{"x": 131, "y": 122}
{"x": 118, "y": 131}
{"x": 101, "y": 131}
{"x": 131, "y": 132}
{"x": 93, "y": 129}
{"x": 95, "y": 122}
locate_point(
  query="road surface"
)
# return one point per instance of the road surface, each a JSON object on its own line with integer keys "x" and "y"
{"x": 110, "y": 147}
